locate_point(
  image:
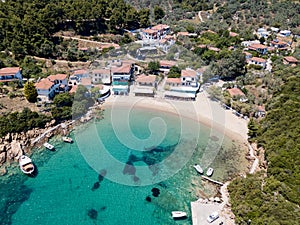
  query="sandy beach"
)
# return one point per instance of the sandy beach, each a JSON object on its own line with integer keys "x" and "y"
{"x": 203, "y": 110}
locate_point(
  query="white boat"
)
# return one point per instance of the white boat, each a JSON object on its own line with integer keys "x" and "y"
{"x": 26, "y": 164}
{"x": 178, "y": 214}
{"x": 67, "y": 139}
{"x": 48, "y": 146}
{"x": 209, "y": 171}
{"x": 198, "y": 168}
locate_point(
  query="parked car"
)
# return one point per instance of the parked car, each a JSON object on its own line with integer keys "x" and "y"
{"x": 212, "y": 217}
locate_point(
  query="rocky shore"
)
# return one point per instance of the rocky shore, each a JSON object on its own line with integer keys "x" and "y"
{"x": 13, "y": 145}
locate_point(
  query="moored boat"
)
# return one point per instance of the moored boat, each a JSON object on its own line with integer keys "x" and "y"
{"x": 26, "y": 164}
{"x": 48, "y": 146}
{"x": 178, "y": 214}
{"x": 209, "y": 171}
{"x": 67, "y": 139}
{"x": 198, "y": 168}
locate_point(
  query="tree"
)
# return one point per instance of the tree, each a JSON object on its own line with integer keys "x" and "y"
{"x": 144, "y": 17}
{"x": 158, "y": 12}
{"x": 30, "y": 92}
{"x": 153, "y": 66}
{"x": 63, "y": 99}
{"x": 174, "y": 72}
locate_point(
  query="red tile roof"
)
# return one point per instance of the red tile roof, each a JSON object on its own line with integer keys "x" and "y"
{"x": 235, "y": 92}
{"x": 146, "y": 79}
{"x": 167, "y": 63}
{"x": 257, "y": 46}
{"x": 188, "y": 73}
{"x": 214, "y": 49}
{"x": 122, "y": 69}
{"x": 57, "y": 77}
{"x": 76, "y": 72}
{"x": 86, "y": 81}
{"x": 233, "y": 34}
{"x": 9, "y": 71}
{"x": 173, "y": 80}
{"x": 183, "y": 33}
{"x": 44, "y": 84}
{"x": 150, "y": 31}
{"x": 73, "y": 89}
{"x": 291, "y": 59}
{"x": 101, "y": 71}
{"x": 257, "y": 59}
{"x": 160, "y": 27}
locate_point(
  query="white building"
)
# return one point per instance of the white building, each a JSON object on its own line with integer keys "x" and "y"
{"x": 101, "y": 76}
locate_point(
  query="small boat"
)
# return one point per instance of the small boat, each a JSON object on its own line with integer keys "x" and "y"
{"x": 26, "y": 164}
{"x": 48, "y": 146}
{"x": 67, "y": 139}
{"x": 198, "y": 168}
{"x": 210, "y": 171}
{"x": 178, "y": 214}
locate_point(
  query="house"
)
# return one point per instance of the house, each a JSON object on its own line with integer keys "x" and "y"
{"x": 73, "y": 81}
{"x": 214, "y": 49}
{"x": 166, "y": 43}
{"x": 87, "y": 82}
{"x": 10, "y": 74}
{"x": 173, "y": 82}
{"x": 101, "y": 76}
{"x": 248, "y": 43}
{"x": 80, "y": 73}
{"x": 260, "y": 111}
{"x": 278, "y": 44}
{"x": 237, "y": 93}
{"x": 165, "y": 65}
{"x": 285, "y": 33}
{"x": 60, "y": 82}
{"x": 274, "y": 29}
{"x": 248, "y": 55}
{"x": 146, "y": 80}
{"x": 189, "y": 78}
{"x": 290, "y": 60}
{"x": 156, "y": 33}
{"x": 121, "y": 76}
{"x": 258, "y": 61}
{"x": 145, "y": 85}
{"x": 262, "y": 49}
{"x": 45, "y": 89}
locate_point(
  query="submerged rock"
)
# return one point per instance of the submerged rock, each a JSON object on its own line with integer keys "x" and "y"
{"x": 148, "y": 199}
{"x": 155, "y": 192}
{"x": 102, "y": 208}
{"x": 95, "y": 186}
{"x": 93, "y": 214}
{"x": 129, "y": 169}
{"x": 136, "y": 179}
{"x": 102, "y": 174}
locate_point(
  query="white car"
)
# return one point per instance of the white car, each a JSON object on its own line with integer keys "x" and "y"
{"x": 212, "y": 217}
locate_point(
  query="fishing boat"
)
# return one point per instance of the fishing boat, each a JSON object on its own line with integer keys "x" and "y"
{"x": 178, "y": 214}
{"x": 209, "y": 171}
{"x": 67, "y": 139}
{"x": 26, "y": 164}
{"x": 48, "y": 146}
{"x": 198, "y": 168}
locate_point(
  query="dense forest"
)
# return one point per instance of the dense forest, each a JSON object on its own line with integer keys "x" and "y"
{"x": 27, "y": 27}
{"x": 274, "y": 198}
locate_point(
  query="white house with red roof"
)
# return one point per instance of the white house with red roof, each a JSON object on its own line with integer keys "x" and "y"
{"x": 237, "y": 93}
{"x": 262, "y": 49}
{"x": 121, "y": 76}
{"x": 257, "y": 61}
{"x": 45, "y": 89}
{"x": 290, "y": 60}
{"x": 189, "y": 78}
{"x": 49, "y": 86}
{"x": 156, "y": 32}
{"x": 101, "y": 76}
{"x": 8, "y": 74}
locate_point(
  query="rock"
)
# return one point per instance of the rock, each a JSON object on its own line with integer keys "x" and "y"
{"x": 15, "y": 151}
{"x": 2, "y": 148}
{"x": 3, "y": 171}
{"x": 2, "y": 158}
{"x": 7, "y": 137}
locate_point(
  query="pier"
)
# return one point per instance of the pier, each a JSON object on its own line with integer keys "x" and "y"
{"x": 211, "y": 180}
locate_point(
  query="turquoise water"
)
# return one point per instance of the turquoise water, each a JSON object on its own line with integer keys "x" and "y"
{"x": 134, "y": 152}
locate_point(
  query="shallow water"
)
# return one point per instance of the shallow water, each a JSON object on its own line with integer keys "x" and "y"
{"x": 133, "y": 154}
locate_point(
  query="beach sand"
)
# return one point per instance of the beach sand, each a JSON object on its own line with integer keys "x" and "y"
{"x": 203, "y": 110}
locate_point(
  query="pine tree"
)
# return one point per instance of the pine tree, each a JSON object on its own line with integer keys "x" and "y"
{"x": 30, "y": 92}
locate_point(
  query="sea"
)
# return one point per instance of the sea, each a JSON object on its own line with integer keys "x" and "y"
{"x": 133, "y": 166}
